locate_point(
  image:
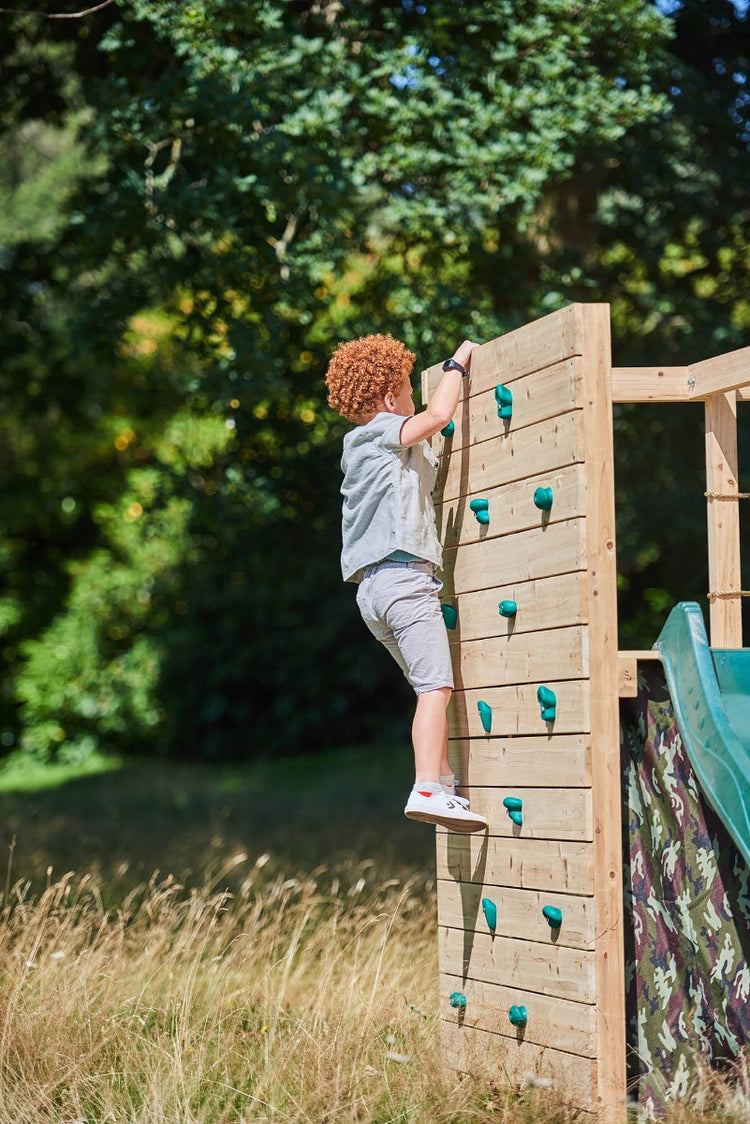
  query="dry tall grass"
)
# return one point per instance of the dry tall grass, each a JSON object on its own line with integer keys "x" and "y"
{"x": 292, "y": 1000}
{"x": 310, "y": 999}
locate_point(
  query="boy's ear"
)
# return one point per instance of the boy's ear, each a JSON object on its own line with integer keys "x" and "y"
{"x": 389, "y": 400}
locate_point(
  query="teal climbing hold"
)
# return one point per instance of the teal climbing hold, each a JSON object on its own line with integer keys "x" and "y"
{"x": 547, "y": 700}
{"x": 504, "y": 399}
{"x": 517, "y": 1015}
{"x": 513, "y": 805}
{"x": 447, "y": 431}
{"x": 490, "y": 913}
{"x": 485, "y": 714}
{"x": 480, "y": 508}
{"x": 553, "y": 915}
{"x": 457, "y": 999}
{"x": 450, "y": 615}
{"x": 543, "y": 499}
{"x": 507, "y": 608}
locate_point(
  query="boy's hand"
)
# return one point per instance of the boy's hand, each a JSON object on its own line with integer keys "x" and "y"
{"x": 463, "y": 353}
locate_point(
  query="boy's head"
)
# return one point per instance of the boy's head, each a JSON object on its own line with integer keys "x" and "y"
{"x": 363, "y": 371}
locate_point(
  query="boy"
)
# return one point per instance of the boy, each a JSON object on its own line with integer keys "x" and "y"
{"x": 390, "y": 543}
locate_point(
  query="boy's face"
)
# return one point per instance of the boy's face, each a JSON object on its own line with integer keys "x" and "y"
{"x": 403, "y": 400}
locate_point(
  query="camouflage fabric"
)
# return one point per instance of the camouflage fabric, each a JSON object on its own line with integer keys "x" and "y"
{"x": 687, "y": 909}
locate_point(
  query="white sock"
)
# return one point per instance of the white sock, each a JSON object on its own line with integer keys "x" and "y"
{"x": 427, "y": 788}
{"x": 448, "y": 784}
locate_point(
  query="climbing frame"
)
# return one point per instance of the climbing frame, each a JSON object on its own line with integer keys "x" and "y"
{"x": 530, "y": 914}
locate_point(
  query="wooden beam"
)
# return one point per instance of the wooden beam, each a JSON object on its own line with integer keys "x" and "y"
{"x": 722, "y": 374}
{"x": 596, "y": 364}
{"x": 695, "y": 383}
{"x": 545, "y": 342}
{"x": 724, "y": 571}
{"x": 650, "y": 384}
{"x": 627, "y": 671}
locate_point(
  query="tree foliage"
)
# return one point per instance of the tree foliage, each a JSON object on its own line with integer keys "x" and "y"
{"x": 198, "y": 200}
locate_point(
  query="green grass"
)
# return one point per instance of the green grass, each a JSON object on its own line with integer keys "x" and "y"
{"x": 121, "y": 821}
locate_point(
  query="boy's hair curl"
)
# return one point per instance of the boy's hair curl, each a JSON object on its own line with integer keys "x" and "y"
{"x": 362, "y": 371}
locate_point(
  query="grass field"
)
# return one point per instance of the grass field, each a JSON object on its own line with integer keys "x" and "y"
{"x": 192, "y": 945}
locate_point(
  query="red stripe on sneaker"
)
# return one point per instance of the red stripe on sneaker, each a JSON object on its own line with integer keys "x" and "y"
{"x": 419, "y": 790}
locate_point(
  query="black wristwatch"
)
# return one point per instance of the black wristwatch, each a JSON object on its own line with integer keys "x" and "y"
{"x": 454, "y": 365}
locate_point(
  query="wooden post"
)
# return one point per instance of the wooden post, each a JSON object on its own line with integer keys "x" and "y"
{"x": 724, "y": 574}
{"x": 605, "y": 765}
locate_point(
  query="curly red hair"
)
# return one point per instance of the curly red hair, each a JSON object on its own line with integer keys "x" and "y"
{"x": 361, "y": 372}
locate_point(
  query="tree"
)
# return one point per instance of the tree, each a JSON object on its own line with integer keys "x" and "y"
{"x": 259, "y": 181}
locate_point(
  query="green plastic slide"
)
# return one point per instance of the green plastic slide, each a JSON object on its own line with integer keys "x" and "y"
{"x": 710, "y": 690}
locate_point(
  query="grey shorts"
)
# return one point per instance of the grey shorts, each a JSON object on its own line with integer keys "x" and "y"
{"x": 399, "y": 604}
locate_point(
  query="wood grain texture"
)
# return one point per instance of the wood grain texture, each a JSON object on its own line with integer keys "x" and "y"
{"x": 560, "y": 598}
{"x": 560, "y": 761}
{"x": 515, "y": 710}
{"x": 528, "y": 864}
{"x": 548, "y": 813}
{"x": 519, "y": 913}
{"x": 519, "y": 1063}
{"x": 554, "y": 970}
{"x": 512, "y": 508}
{"x": 557, "y": 1023}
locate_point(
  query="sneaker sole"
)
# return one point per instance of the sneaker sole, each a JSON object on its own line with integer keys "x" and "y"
{"x": 461, "y": 827}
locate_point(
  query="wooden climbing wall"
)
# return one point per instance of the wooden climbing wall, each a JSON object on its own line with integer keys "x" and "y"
{"x": 558, "y": 566}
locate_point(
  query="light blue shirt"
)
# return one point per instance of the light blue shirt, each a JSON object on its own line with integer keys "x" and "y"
{"x": 387, "y": 492}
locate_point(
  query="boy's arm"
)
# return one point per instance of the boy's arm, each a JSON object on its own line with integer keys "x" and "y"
{"x": 442, "y": 405}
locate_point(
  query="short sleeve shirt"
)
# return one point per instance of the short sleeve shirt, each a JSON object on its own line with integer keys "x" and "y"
{"x": 387, "y": 492}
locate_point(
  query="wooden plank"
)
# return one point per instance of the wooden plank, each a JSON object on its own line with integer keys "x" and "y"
{"x": 548, "y": 813}
{"x": 596, "y": 366}
{"x": 527, "y": 864}
{"x": 558, "y": 600}
{"x": 512, "y": 507}
{"x": 519, "y": 1063}
{"x": 519, "y": 913}
{"x": 722, "y": 374}
{"x": 651, "y": 384}
{"x": 515, "y": 710}
{"x": 518, "y": 455}
{"x": 724, "y": 570}
{"x": 560, "y": 762}
{"x": 698, "y": 382}
{"x": 499, "y": 562}
{"x": 537, "y": 397}
{"x": 557, "y": 1023}
{"x": 567, "y": 973}
{"x": 529, "y": 657}
{"x": 543, "y": 343}
{"x": 627, "y": 670}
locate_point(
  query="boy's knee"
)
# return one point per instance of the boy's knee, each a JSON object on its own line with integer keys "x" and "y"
{"x": 443, "y": 693}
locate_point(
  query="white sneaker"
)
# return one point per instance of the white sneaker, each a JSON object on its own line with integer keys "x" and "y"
{"x": 448, "y": 811}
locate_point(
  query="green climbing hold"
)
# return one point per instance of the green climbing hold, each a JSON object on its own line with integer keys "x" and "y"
{"x": 543, "y": 499}
{"x": 447, "y": 431}
{"x": 553, "y": 915}
{"x": 504, "y": 399}
{"x": 450, "y": 615}
{"x": 485, "y": 714}
{"x": 480, "y": 508}
{"x": 517, "y": 1015}
{"x": 513, "y": 805}
{"x": 490, "y": 913}
{"x": 507, "y": 608}
{"x": 457, "y": 999}
{"x": 547, "y": 700}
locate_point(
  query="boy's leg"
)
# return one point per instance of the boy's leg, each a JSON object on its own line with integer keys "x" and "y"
{"x": 430, "y": 735}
